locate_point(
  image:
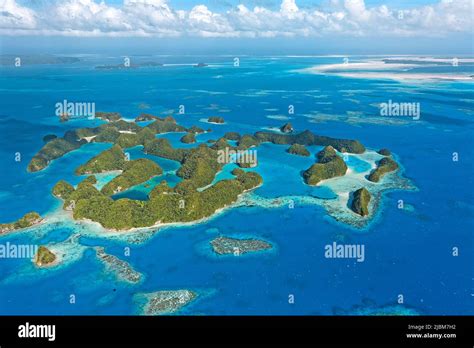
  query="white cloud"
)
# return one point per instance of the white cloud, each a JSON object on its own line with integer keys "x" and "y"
{"x": 14, "y": 16}
{"x": 158, "y": 18}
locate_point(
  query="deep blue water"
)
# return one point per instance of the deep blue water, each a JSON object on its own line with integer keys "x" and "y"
{"x": 407, "y": 252}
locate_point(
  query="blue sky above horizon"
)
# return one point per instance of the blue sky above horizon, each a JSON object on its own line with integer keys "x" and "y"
{"x": 319, "y": 26}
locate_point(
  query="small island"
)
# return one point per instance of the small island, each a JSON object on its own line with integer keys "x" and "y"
{"x": 44, "y": 257}
{"x": 297, "y": 149}
{"x": 329, "y": 165}
{"x": 196, "y": 130}
{"x": 384, "y": 166}
{"x": 384, "y": 152}
{"x": 166, "y": 302}
{"x": 188, "y": 138}
{"x": 121, "y": 268}
{"x": 28, "y": 220}
{"x": 360, "y": 201}
{"x": 232, "y": 246}
{"x": 216, "y": 120}
{"x": 287, "y": 128}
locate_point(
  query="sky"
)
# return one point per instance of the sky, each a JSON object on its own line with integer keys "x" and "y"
{"x": 316, "y": 26}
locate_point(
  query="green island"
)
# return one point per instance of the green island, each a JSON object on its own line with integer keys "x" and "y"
{"x": 188, "y": 138}
{"x": 329, "y": 165}
{"x": 196, "y": 130}
{"x": 297, "y": 149}
{"x": 183, "y": 203}
{"x": 384, "y": 166}
{"x": 117, "y": 131}
{"x": 216, "y": 119}
{"x": 360, "y": 202}
{"x": 196, "y": 196}
{"x": 233, "y": 246}
{"x": 44, "y": 257}
{"x": 28, "y": 220}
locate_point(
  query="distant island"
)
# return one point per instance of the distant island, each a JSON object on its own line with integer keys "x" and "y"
{"x": 233, "y": 246}
{"x": 165, "y": 302}
{"x": 216, "y": 119}
{"x": 36, "y": 59}
{"x": 131, "y": 66}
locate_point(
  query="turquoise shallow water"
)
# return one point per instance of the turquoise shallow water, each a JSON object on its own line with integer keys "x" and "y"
{"x": 407, "y": 251}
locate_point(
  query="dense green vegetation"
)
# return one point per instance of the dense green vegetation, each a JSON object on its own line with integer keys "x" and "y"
{"x": 122, "y": 125}
{"x": 360, "y": 201}
{"x": 180, "y": 204}
{"x": 161, "y": 147}
{"x": 111, "y": 159}
{"x": 330, "y": 165}
{"x": 191, "y": 199}
{"x": 126, "y": 140}
{"x": 297, "y": 149}
{"x": 308, "y": 138}
{"x": 134, "y": 173}
{"x": 247, "y": 141}
{"x": 27, "y": 220}
{"x": 62, "y": 189}
{"x": 188, "y": 138}
{"x": 232, "y": 136}
{"x": 221, "y": 144}
{"x": 44, "y": 256}
{"x": 215, "y": 119}
{"x": 384, "y": 166}
{"x": 200, "y": 165}
{"x": 51, "y": 150}
{"x": 165, "y": 126}
{"x": 107, "y": 135}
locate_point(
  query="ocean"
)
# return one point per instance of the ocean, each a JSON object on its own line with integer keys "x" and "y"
{"x": 408, "y": 252}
